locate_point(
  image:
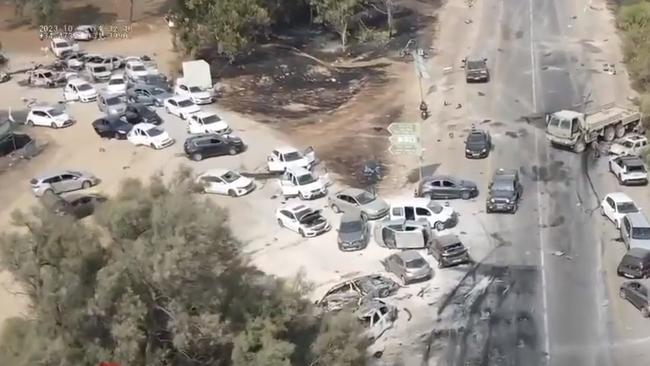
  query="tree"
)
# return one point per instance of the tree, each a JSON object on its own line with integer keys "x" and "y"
{"x": 339, "y": 343}
{"x": 45, "y": 11}
{"x": 386, "y": 7}
{"x": 156, "y": 279}
{"x": 337, "y": 15}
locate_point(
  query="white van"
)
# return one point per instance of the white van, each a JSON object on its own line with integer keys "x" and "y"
{"x": 440, "y": 217}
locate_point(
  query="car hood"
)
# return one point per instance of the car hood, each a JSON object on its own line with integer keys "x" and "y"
{"x": 149, "y": 115}
{"x": 118, "y": 87}
{"x": 302, "y": 162}
{"x": 88, "y": 93}
{"x": 350, "y": 237}
{"x": 617, "y": 149}
{"x": 377, "y": 205}
{"x": 201, "y": 95}
{"x": 123, "y": 126}
{"x": 217, "y": 126}
{"x": 162, "y": 97}
{"x": 191, "y": 109}
{"x": 311, "y": 217}
{"x": 62, "y": 117}
{"x": 140, "y": 72}
{"x": 476, "y": 146}
{"x": 116, "y": 109}
{"x": 503, "y": 194}
{"x": 318, "y": 184}
{"x": 242, "y": 182}
{"x": 162, "y": 137}
{"x": 467, "y": 184}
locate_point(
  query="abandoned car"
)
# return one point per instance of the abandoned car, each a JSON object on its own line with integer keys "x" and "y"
{"x": 351, "y": 291}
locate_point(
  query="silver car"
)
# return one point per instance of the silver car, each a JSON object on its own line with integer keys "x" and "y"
{"x": 111, "y": 104}
{"x": 353, "y": 233}
{"x": 62, "y": 181}
{"x": 635, "y": 231}
{"x": 371, "y": 206}
{"x": 408, "y": 265}
{"x": 403, "y": 234}
{"x": 148, "y": 94}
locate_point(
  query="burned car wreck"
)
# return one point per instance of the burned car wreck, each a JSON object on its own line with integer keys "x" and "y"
{"x": 377, "y": 317}
{"x": 351, "y": 292}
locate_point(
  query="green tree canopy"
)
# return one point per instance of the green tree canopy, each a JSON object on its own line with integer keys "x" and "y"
{"x": 157, "y": 279}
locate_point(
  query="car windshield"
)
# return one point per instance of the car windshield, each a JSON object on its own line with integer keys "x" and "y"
{"x": 213, "y": 118}
{"x": 351, "y": 227}
{"x": 626, "y": 207}
{"x": 435, "y": 207}
{"x": 61, "y": 45}
{"x": 475, "y": 138}
{"x": 84, "y": 87}
{"x": 292, "y": 156}
{"x": 635, "y": 168}
{"x": 55, "y": 112}
{"x": 416, "y": 263}
{"x": 185, "y": 103}
{"x": 116, "y": 82}
{"x": 554, "y": 122}
{"x": 365, "y": 198}
{"x": 195, "y": 89}
{"x": 154, "y": 132}
{"x": 628, "y": 144}
{"x": 138, "y": 68}
{"x": 642, "y": 233}
{"x": 157, "y": 91}
{"x": 306, "y": 179}
{"x": 230, "y": 177}
{"x": 47, "y": 75}
{"x": 473, "y": 65}
{"x": 300, "y": 215}
{"x": 99, "y": 69}
{"x": 113, "y": 101}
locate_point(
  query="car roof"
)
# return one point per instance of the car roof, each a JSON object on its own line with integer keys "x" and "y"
{"x": 285, "y": 149}
{"x": 145, "y": 126}
{"x": 77, "y": 81}
{"x": 400, "y": 222}
{"x": 631, "y": 160}
{"x": 448, "y": 239}
{"x": 505, "y": 172}
{"x": 109, "y": 94}
{"x": 619, "y": 197}
{"x": 476, "y": 131}
{"x": 409, "y": 255}
{"x": 638, "y": 252}
{"x": 134, "y": 62}
{"x": 635, "y": 137}
{"x": 298, "y": 170}
{"x": 179, "y": 98}
{"x": 441, "y": 177}
{"x": 414, "y": 201}
{"x": 202, "y": 136}
{"x": 295, "y": 207}
{"x": 638, "y": 219}
{"x": 45, "y": 107}
{"x": 217, "y": 172}
{"x": 118, "y": 75}
{"x": 52, "y": 173}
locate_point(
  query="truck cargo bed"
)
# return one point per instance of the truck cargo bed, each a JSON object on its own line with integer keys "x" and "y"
{"x": 611, "y": 114}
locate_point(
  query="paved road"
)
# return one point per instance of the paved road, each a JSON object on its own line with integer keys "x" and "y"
{"x": 536, "y": 302}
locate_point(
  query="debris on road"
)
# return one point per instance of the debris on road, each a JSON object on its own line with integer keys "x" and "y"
{"x": 481, "y": 94}
{"x": 558, "y": 253}
{"x": 448, "y": 70}
{"x": 609, "y": 68}
{"x": 409, "y": 314}
{"x": 469, "y": 21}
{"x": 459, "y": 106}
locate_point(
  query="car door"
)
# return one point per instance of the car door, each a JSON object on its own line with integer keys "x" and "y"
{"x": 422, "y": 213}
{"x": 55, "y": 183}
{"x": 41, "y": 118}
{"x": 70, "y": 182}
{"x": 70, "y": 92}
{"x": 638, "y": 294}
{"x": 140, "y": 137}
{"x": 347, "y": 202}
{"x": 214, "y": 184}
{"x": 397, "y": 265}
{"x": 287, "y": 184}
{"x": 182, "y": 90}
{"x": 274, "y": 163}
{"x": 450, "y": 189}
{"x": 625, "y": 232}
{"x": 435, "y": 189}
{"x": 290, "y": 220}
{"x": 397, "y": 212}
{"x": 410, "y": 237}
{"x": 173, "y": 106}
{"x": 310, "y": 154}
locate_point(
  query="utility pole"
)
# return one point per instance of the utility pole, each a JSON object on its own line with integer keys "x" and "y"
{"x": 421, "y": 73}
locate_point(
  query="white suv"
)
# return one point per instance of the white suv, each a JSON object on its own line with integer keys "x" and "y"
{"x": 616, "y": 205}
{"x": 302, "y": 183}
{"x": 629, "y": 170}
{"x": 48, "y": 116}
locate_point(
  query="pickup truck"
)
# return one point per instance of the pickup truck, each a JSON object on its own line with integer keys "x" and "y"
{"x": 287, "y": 157}
{"x": 575, "y": 130}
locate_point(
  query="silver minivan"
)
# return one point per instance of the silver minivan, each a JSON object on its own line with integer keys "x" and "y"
{"x": 403, "y": 234}
{"x": 635, "y": 231}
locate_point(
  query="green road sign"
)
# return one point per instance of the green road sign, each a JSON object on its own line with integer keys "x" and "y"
{"x": 403, "y": 128}
{"x": 405, "y": 144}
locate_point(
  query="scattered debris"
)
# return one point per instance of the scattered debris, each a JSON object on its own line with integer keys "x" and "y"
{"x": 448, "y": 70}
{"x": 574, "y": 17}
{"x": 609, "y": 68}
{"x": 558, "y": 253}
{"x": 451, "y": 134}
{"x": 481, "y": 94}
{"x": 378, "y": 354}
{"x": 459, "y": 106}
{"x": 446, "y": 103}
{"x": 469, "y": 21}
{"x": 409, "y": 314}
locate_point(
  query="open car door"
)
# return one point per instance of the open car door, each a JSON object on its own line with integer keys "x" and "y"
{"x": 69, "y": 93}
{"x": 310, "y": 155}
{"x": 287, "y": 187}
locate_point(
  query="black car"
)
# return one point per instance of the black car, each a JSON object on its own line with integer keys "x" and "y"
{"x": 112, "y": 127}
{"x": 446, "y": 187}
{"x": 79, "y": 205}
{"x": 478, "y": 144}
{"x": 635, "y": 264}
{"x": 636, "y": 292}
{"x": 139, "y": 113}
{"x": 449, "y": 251}
{"x": 505, "y": 191}
{"x": 202, "y": 146}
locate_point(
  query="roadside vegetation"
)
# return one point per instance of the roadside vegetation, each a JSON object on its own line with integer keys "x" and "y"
{"x": 633, "y": 19}
{"x": 156, "y": 278}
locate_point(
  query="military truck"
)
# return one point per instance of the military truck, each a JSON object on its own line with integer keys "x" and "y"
{"x": 575, "y": 130}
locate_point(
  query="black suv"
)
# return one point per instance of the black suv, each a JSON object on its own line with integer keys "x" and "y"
{"x": 478, "y": 144}
{"x": 202, "y": 146}
{"x": 504, "y": 192}
{"x": 476, "y": 69}
{"x": 449, "y": 251}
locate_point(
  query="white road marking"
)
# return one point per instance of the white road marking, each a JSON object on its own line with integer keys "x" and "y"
{"x": 542, "y": 239}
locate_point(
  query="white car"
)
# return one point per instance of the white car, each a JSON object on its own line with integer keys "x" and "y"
{"x": 616, "y": 205}
{"x": 135, "y": 70}
{"x": 207, "y": 122}
{"x": 79, "y": 89}
{"x": 182, "y": 107}
{"x": 98, "y": 73}
{"x": 149, "y": 64}
{"x": 116, "y": 84}
{"x": 48, "y": 116}
{"x": 226, "y": 182}
{"x": 197, "y": 94}
{"x": 630, "y": 145}
{"x": 150, "y": 135}
{"x": 84, "y": 33}
{"x": 302, "y": 183}
{"x": 302, "y": 219}
{"x": 439, "y": 217}
{"x": 287, "y": 157}
{"x": 60, "y": 46}
{"x": 628, "y": 169}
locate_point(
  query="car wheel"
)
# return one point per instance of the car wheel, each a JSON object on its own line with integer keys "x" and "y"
{"x": 232, "y": 193}
{"x": 86, "y": 184}
{"x": 302, "y": 233}
{"x": 53, "y": 125}
{"x": 622, "y": 294}
{"x": 152, "y": 146}
{"x": 440, "y": 226}
{"x": 116, "y": 135}
{"x": 620, "y": 131}
{"x": 197, "y": 157}
{"x": 232, "y": 151}
{"x": 579, "y": 147}
{"x": 620, "y": 180}
{"x": 440, "y": 264}
{"x": 602, "y": 211}
{"x": 645, "y": 312}
{"x": 514, "y": 210}
{"x": 384, "y": 292}
{"x": 280, "y": 223}
{"x": 336, "y": 209}
{"x": 182, "y": 116}
{"x": 465, "y": 195}
{"x": 30, "y": 123}
{"x": 301, "y": 196}
{"x": 364, "y": 216}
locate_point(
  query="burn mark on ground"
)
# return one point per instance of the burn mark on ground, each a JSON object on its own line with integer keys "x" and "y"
{"x": 553, "y": 172}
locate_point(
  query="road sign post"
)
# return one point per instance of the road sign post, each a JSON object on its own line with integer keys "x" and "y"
{"x": 405, "y": 139}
